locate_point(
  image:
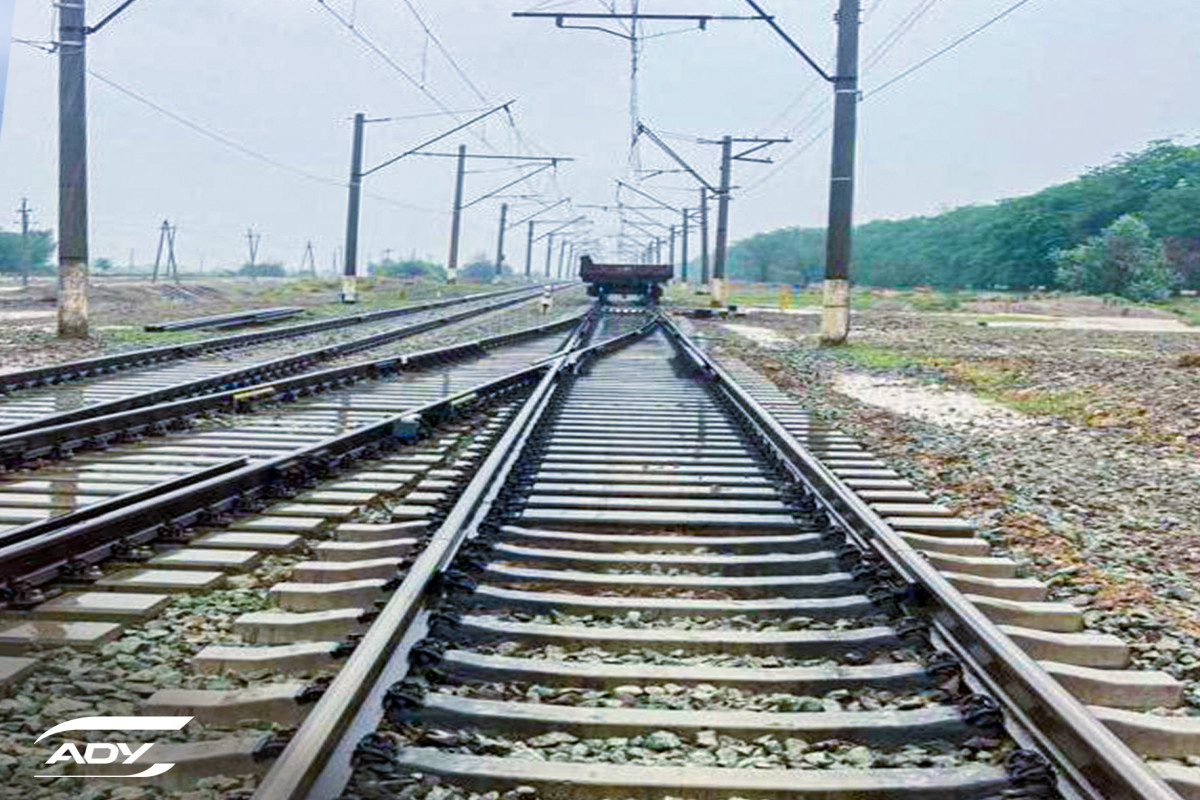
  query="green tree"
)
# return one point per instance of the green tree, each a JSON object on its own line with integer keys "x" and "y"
{"x": 410, "y": 269}
{"x": 1124, "y": 259}
{"x": 41, "y": 247}
{"x": 1012, "y": 242}
{"x": 481, "y": 269}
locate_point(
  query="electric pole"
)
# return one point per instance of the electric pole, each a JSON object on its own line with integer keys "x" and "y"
{"x": 350, "y": 269}
{"x": 704, "y": 238}
{"x": 529, "y": 252}
{"x": 562, "y": 256}
{"x": 72, "y": 172}
{"x": 672, "y": 250}
{"x": 549, "y": 253}
{"x": 500, "y": 241}
{"x": 718, "y": 284}
{"x": 452, "y": 262}
{"x": 171, "y": 263}
{"x": 24, "y": 212}
{"x": 683, "y": 244}
{"x": 162, "y": 240}
{"x": 835, "y": 322}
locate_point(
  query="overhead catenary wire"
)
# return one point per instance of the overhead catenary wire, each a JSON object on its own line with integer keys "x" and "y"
{"x": 395, "y": 67}
{"x": 898, "y": 32}
{"x": 241, "y": 148}
{"x": 889, "y": 83}
{"x": 522, "y": 139}
{"x": 935, "y": 56}
{"x": 441, "y": 48}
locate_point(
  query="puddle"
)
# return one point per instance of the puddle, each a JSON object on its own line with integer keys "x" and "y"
{"x": 933, "y": 404}
{"x": 764, "y": 336}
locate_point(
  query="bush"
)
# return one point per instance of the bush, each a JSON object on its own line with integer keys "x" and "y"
{"x": 410, "y": 269}
{"x": 1125, "y": 259}
{"x": 262, "y": 271}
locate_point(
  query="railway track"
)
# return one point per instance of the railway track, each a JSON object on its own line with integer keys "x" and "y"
{"x": 635, "y": 576}
{"x": 141, "y": 455}
{"x": 110, "y": 464}
{"x": 78, "y": 390}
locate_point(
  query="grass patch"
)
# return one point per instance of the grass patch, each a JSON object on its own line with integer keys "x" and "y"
{"x": 1187, "y": 308}
{"x": 932, "y": 301}
{"x": 132, "y": 337}
{"x": 874, "y": 357}
{"x": 1070, "y": 404}
{"x": 985, "y": 377}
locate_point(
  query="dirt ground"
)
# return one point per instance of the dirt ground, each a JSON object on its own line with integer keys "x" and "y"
{"x": 119, "y": 308}
{"x": 1077, "y": 452}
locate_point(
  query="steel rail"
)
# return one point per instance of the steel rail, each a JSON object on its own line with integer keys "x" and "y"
{"x": 256, "y": 372}
{"x": 98, "y": 431}
{"x": 225, "y": 320}
{"x": 74, "y": 370}
{"x": 1089, "y": 757}
{"x": 27, "y": 561}
{"x": 304, "y": 770}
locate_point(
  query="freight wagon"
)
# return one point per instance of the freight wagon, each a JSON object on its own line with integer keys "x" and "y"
{"x": 641, "y": 280}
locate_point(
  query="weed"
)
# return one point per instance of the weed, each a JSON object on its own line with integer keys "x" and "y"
{"x": 874, "y": 357}
{"x": 1071, "y": 404}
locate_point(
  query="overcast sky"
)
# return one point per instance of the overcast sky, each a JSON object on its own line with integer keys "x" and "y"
{"x": 6, "y": 12}
{"x": 1057, "y": 87}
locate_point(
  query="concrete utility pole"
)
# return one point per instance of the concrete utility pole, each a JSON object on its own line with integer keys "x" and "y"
{"x": 529, "y": 252}
{"x": 562, "y": 256}
{"x": 172, "y": 264}
{"x": 72, "y": 172}
{"x": 24, "y": 212}
{"x": 683, "y": 254}
{"x": 672, "y": 249}
{"x": 703, "y": 238}
{"x": 549, "y": 252}
{"x": 456, "y": 221}
{"x": 350, "y": 269}
{"x": 500, "y": 240}
{"x": 162, "y": 240}
{"x": 718, "y": 283}
{"x": 835, "y": 322}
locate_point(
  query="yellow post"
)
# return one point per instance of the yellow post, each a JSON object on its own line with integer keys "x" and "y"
{"x": 785, "y": 297}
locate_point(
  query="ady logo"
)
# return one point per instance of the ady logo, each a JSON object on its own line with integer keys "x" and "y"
{"x": 109, "y": 753}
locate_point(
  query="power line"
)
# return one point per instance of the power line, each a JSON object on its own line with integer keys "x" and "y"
{"x": 897, "y": 33}
{"x": 425, "y": 115}
{"x": 971, "y": 34}
{"x": 378, "y": 51}
{"x": 211, "y": 134}
{"x": 889, "y": 41}
{"x": 241, "y": 148}
{"x": 924, "y": 62}
{"x": 438, "y": 43}
{"x": 374, "y": 48}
